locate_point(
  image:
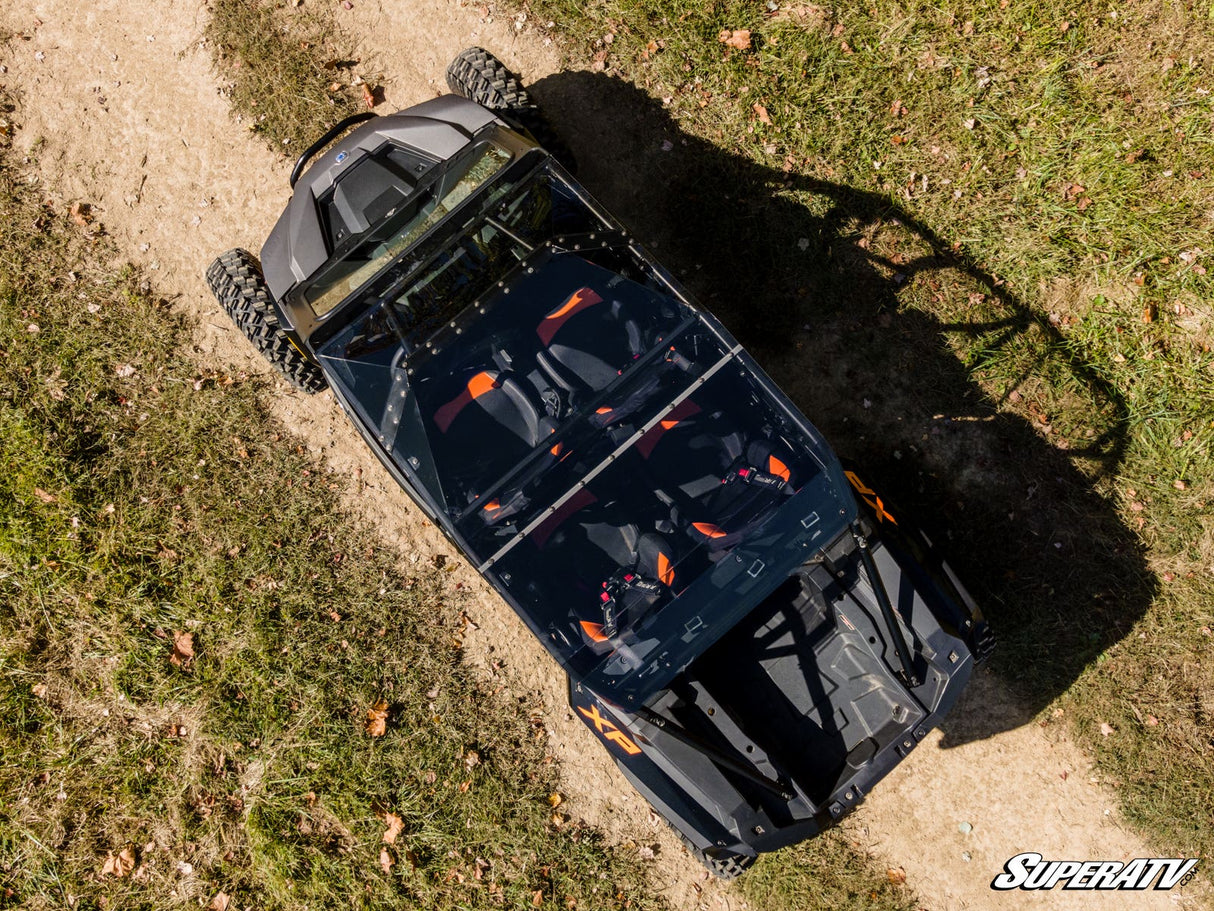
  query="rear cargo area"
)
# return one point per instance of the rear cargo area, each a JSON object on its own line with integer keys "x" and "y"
{"x": 800, "y": 681}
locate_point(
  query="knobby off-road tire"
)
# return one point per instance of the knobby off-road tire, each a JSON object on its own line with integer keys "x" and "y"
{"x": 727, "y": 867}
{"x": 236, "y": 281}
{"x": 477, "y": 75}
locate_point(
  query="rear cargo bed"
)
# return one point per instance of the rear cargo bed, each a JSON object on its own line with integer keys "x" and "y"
{"x": 800, "y": 678}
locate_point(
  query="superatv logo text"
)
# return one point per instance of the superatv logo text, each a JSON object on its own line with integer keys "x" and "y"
{"x": 1030, "y": 871}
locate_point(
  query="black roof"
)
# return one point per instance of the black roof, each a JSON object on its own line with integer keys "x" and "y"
{"x": 606, "y": 453}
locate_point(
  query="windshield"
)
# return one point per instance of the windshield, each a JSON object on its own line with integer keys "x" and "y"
{"x": 400, "y": 230}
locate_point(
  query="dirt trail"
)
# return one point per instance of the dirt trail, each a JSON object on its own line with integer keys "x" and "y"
{"x": 120, "y": 109}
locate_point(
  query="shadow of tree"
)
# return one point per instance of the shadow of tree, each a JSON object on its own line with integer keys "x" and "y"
{"x": 890, "y": 342}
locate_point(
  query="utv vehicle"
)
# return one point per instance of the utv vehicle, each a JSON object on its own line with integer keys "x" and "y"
{"x": 753, "y": 634}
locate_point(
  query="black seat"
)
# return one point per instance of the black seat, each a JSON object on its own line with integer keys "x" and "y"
{"x": 486, "y": 423}
{"x": 720, "y": 482}
{"x": 587, "y": 342}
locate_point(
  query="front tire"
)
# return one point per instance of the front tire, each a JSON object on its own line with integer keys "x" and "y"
{"x": 477, "y": 75}
{"x": 236, "y": 281}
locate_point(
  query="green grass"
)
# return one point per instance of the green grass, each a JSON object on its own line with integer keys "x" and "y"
{"x": 288, "y": 70}
{"x": 973, "y": 241}
{"x": 141, "y": 497}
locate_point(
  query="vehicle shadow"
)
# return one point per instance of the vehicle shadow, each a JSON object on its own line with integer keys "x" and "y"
{"x": 880, "y": 333}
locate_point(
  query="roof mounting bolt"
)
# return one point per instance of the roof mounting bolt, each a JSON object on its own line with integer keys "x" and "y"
{"x": 759, "y": 830}
{"x": 952, "y": 657}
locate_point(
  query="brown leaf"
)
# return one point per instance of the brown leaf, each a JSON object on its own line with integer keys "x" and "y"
{"x": 395, "y": 824}
{"x": 896, "y": 875}
{"x": 44, "y": 496}
{"x": 39, "y": 690}
{"x": 650, "y": 49}
{"x": 554, "y": 800}
{"x": 119, "y": 865}
{"x": 385, "y": 860}
{"x": 761, "y": 113}
{"x": 183, "y": 649}
{"x": 1152, "y": 720}
{"x": 598, "y": 62}
{"x": 1149, "y": 312}
{"x": 1106, "y": 729}
{"x": 368, "y": 95}
{"x": 1180, "y": 484}
{"x": 81, "y": 212}
{"x": 219, "y": 902}
{"x": 377, "y": 719}
{"x": 737, "y": 38}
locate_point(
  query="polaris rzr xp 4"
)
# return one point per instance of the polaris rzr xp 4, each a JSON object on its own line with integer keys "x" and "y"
{"x": 753, "y": 635}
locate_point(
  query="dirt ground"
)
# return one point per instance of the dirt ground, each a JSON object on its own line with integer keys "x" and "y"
{"x": 119, "y": 108}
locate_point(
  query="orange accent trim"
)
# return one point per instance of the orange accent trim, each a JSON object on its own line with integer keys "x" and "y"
{"x": 480, "y": 384}
{"x": 492, "y": 505}
{"x": 708, "y": 530}
{"x": 604, "y": 410}
{"x": 778, "y": 468}
{"x": 556, "y": 450}
{"x": 477, "y": 386}
{"x": 578, "y": 301}
{"x": 665, "y": 570}
{"x": 594, "y": 631}
{"x": 609, "y": 730}
{"x": 870, "y": 497}
{"x": 684, "y": 410}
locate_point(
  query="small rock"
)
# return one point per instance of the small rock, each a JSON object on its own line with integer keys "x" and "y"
{"x": 965, "y": 828}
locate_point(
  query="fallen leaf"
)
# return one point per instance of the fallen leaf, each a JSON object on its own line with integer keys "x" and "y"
{"x": 377, "y": 719}
{"x": 761, "y": 113}
{"x": 183, "y": 649}
{"x": 39, "y": 690}
{"x": 737, "y": 38}
{"x": 554, "y": 800}
{"x": 395, "y": 824}
{"x": 598, "y": 62}
{"x": 119, "y": 865}
{"x": 43, "y": 495}
{"x": 1152, "y": 720}
{"x": 650, "y": 49}
{"x": 896, "y": 875}
{"x": 81, "y": 212}
{"x": 368, "y": 95}
{"x": 537, "y": 898}
{"x": 1149, "y": 312}
{"x": 1106, "y": 729}
{"x": 385, "y": 860}
{"x": 219, "y": 902}
{"x": 1179, "y": 484}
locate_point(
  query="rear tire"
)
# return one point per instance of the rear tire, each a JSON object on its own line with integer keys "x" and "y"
{"x": 726, "y": 866}
{"x": 477, "y": 75}
{"x": 236, "y": 281}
